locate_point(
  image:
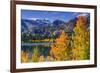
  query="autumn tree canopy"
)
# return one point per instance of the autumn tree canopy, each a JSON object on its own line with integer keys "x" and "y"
{"x": 59, "y": 49}
{"x": 35, "y": 55}
{"x": 81, "y": 42}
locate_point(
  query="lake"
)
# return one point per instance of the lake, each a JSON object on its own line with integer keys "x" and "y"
{"x": 37, "y": 44}
{"x": 43, "y": 47}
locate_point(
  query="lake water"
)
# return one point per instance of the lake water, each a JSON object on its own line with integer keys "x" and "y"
{"x": 36, "y": 44}
{"x": 43, "y": 47}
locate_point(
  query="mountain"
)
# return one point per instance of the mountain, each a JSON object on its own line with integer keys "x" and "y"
{"x": 30, "y": 25}
{"x": 43, "y": 28}
{"x": 70, "y": 25}
{"x": 58, "y": 22}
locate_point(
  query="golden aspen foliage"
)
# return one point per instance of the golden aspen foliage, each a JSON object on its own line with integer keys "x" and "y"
{"x": 35, "y": 55}
{"x": 41, "y": 59}
{"x": 50, "y": 58}
{"x": 24, "y": 56}
{"x": 81, "y": 42}
{"x": 59, "y": 49}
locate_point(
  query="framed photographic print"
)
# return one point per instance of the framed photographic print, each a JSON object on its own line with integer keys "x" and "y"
{"x": 52, "y": 36}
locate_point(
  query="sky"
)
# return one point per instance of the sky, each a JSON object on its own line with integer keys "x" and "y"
{"x": 50, "y": 15}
